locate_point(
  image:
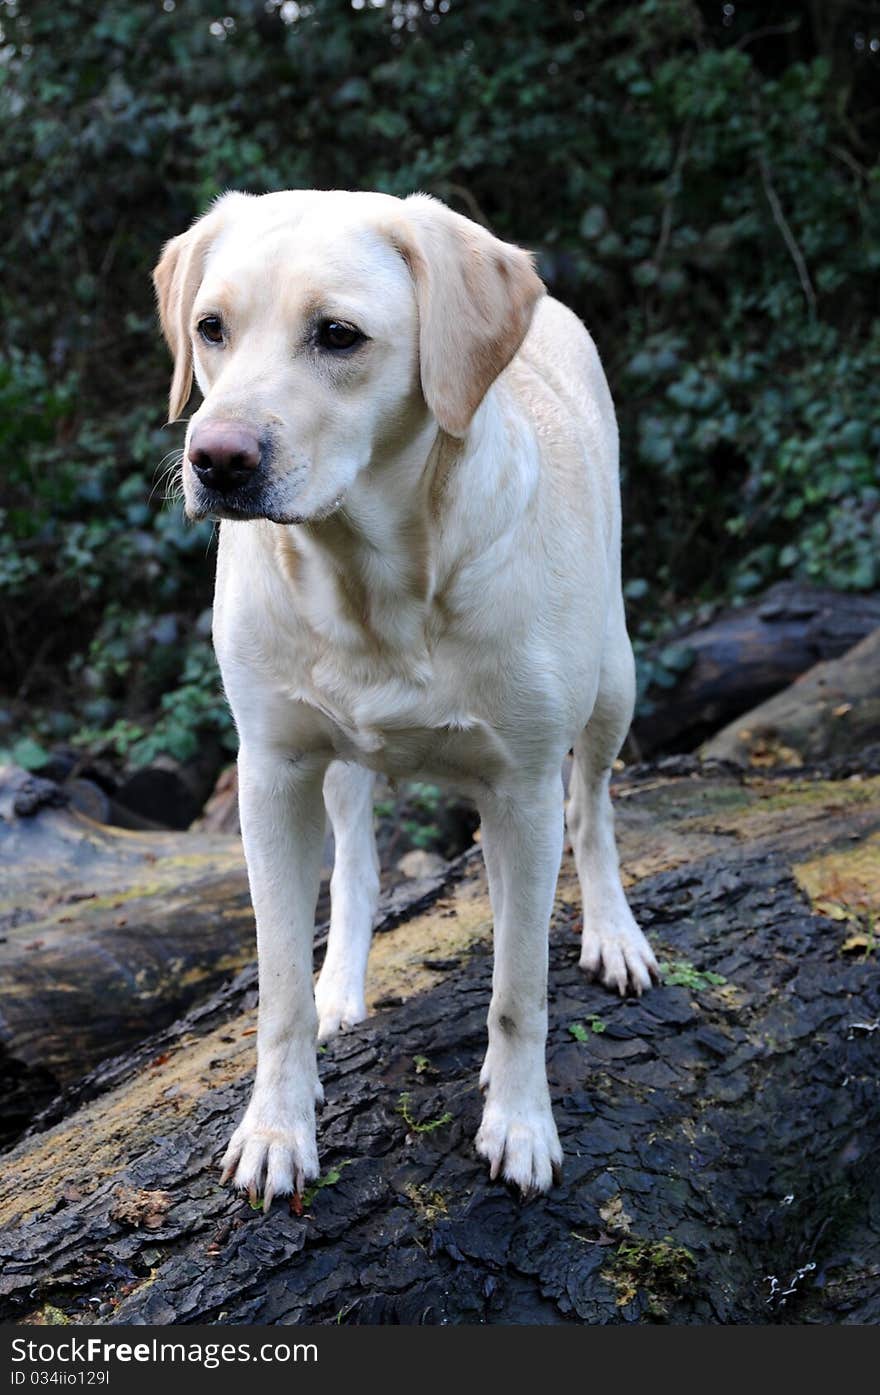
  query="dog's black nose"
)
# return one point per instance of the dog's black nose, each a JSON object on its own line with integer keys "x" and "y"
{"x": 224, "y": 454}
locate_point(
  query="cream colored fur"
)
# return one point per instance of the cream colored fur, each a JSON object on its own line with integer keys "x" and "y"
{"x": 432, "y": 590}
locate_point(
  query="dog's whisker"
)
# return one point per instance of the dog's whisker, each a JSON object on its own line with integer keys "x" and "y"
{"x": 168, "y": 477}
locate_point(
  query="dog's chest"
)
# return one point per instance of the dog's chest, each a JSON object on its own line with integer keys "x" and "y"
{"x": 461, "y": 754}
{"x": 401, "y": 721}
{"x": 397, "y": 694}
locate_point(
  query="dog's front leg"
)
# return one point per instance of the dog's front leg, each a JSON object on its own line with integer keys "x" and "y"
{"x": 522, "y": 839}
{"x": 273, "y": 1151}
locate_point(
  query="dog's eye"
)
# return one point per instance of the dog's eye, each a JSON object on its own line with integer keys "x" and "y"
{"x": 335, "y": 334}
{"x": 211, "y": 329}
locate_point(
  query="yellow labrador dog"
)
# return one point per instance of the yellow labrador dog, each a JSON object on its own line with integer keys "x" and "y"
{"x": 413, "y": 450}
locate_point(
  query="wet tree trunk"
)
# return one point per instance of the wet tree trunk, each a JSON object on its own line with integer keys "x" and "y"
{"x": 742, "y": 657}
{"x": 832, "y": 709}
{"x": 718, "y": 1134}
{"x": 105, "y": 936}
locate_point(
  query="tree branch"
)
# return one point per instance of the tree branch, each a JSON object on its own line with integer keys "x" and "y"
{"x": 781, "y": 221}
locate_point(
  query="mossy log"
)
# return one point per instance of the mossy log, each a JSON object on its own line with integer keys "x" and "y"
{"x": 833, "y": 709}
{"x": 719, "y": 1134}
{"x": 106, "y": 935}
{"x": 744, "y": 656}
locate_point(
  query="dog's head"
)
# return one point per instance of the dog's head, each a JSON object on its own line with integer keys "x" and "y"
{"x": 322, "y": 329}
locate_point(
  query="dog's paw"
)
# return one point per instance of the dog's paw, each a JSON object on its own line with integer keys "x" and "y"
{"x": 521, "y": 1145}
{"x": 269, "y": 1155}
{"x": 338, "y": 1008}
{"x": 618, "y": 955}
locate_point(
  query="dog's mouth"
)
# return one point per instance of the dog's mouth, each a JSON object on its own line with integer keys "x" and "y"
{"x": 251, "y": 503}
{"x": 240, "y": 508}
{"x": 247, "y": 499}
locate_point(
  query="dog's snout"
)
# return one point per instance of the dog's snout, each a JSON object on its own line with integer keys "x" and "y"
{"x": 224, "y": 455}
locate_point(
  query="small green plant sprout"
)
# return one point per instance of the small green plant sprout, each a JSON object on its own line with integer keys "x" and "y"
{"x": 680, "y": 973}
{"x": 412, "y": 1124}
{"x": 328, "y": 1179}
{"x": 423, "y": 1065}
{"x": 581, "y": 1030}
{"x": 659, "y": 1268}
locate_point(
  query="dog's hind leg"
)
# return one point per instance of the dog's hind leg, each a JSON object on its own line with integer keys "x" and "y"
{"x": 354, "y": 891}
{"x": 613, "y": 948}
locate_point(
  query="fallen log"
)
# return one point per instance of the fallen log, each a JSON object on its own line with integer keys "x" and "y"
{"x": 831, "y": 710}
{"x": 718, "y": 1133}
{"x": 716, "y": 672}
{"x": 105, "y": 936}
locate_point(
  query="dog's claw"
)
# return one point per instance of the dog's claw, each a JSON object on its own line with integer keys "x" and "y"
{"x": 521, "y": 1146}
{"x": 619, "y": 956}
{"x": 267, "y": 1160}
{"x": 230, "y": 1162}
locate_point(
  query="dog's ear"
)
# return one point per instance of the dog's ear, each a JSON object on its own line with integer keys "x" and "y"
{"x": 475, "y": 295}
{"x": 177, "y": 277}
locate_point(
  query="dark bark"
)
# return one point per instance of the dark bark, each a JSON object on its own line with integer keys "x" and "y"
{"x": 743, "y": 657}
{"x": 169, "y": 793}
{"x": 717, "y": 1134}
{"x": 832, "y": 709}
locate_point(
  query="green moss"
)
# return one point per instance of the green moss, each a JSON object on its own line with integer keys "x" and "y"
{"x": 795, "y": 794}
{"x": 50, "y": 1316}
{"x": 116, "y": 899}
{"x": 431, "y": 1206}
{"x": 658, "y": 1268}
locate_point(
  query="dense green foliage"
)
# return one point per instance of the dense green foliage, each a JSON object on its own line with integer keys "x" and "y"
{"x": 700, "y": 182}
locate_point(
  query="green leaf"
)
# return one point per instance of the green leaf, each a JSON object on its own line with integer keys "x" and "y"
{"x": 29, "y": 754}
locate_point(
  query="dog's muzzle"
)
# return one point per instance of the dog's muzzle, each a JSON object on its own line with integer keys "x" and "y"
{"x": 228, "y": 461}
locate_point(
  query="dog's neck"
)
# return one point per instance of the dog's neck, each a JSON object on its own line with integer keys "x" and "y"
{"x": 364, "y": 576}
{"x": 372, "y": 577}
